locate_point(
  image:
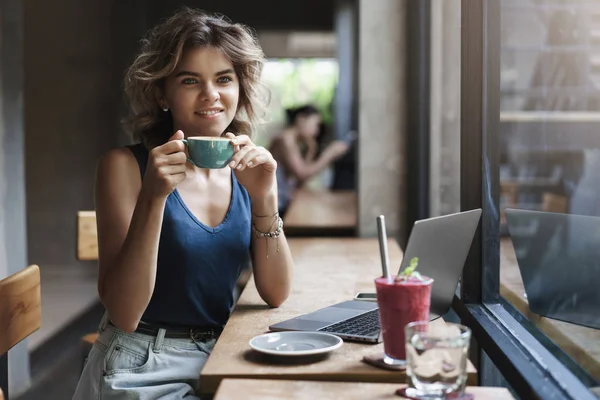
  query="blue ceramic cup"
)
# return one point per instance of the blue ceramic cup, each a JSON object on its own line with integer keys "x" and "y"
{"x": 209, "y": 152}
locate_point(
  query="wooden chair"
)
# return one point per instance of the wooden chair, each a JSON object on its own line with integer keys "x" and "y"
{"x": 555, "y": 203}
{"x": 20, "y": 308}
{"x": 87, "y": 236}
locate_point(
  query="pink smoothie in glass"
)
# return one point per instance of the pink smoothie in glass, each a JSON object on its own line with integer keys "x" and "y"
{"x": 400, "y": 302}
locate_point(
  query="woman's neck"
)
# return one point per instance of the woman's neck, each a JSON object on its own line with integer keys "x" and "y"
{"x": 297, "y": 136}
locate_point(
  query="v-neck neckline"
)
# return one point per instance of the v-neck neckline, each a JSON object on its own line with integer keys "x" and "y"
{"x": 206, "y": 227}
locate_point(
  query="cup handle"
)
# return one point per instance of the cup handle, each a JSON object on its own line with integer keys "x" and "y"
{"x": 185, "y": 142}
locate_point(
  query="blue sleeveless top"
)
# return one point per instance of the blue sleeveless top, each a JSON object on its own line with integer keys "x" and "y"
{"x": 198, "y": 265}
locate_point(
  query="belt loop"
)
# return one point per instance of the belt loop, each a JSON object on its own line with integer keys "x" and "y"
{"x": 159, "y": 340}
{"x": 103, "y": 322}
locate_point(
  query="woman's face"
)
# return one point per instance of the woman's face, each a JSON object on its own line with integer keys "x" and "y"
{"x": 202, "y": 93}
{"x": 308, "y": 125}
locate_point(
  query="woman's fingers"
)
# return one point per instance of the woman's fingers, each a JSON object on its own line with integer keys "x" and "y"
{"x": 171, "y": 147}
{"x": 176, "y": 158}
{"x": 177, "y": 136}
{"x": 172, "y": 169}
{"x": 237, "y": 157}
{"x": 264, "y": 157}
{"x": 247, "y": 155}
{"x": 251, "y": 158}
{"x": 242, "y": 140}
{"x": 231, "y": 136}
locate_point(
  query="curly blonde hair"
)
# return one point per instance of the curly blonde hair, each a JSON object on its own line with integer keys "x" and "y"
{"x": 161, "y": 50}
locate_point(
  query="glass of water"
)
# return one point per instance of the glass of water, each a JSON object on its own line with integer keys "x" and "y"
{"x": 436, "y": 358}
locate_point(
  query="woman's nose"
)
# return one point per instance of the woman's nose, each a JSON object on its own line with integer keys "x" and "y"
{"x": 210, "y": 93}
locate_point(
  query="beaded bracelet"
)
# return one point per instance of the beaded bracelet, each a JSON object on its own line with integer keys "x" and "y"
{"x": 276, "y": 214}
{"x": 271, "y": 234}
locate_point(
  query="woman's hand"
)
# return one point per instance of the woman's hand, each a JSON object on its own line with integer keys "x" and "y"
{"x": 336, "y": 149}
{"x": 165, "y": 168}
{"x": 254, "y": 167}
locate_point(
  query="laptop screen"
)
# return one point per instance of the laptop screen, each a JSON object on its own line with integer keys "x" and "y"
{"x": 559, "y": 260}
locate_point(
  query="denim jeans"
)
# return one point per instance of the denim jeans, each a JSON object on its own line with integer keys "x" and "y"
{"x": 133, "y": 366}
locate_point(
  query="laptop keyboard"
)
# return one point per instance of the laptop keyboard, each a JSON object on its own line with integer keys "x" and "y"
{"x": 366, "y": 324}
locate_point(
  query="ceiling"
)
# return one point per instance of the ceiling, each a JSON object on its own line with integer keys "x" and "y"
{"x": 284, "y": 15}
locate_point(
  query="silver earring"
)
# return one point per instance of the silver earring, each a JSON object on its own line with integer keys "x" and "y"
{"x": 165, "y": 109}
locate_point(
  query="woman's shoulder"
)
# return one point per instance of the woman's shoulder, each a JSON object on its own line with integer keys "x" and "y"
{"x": 284, "y": 140}
{"x": 119, "y": 155}
{"x": 118, "y": 160}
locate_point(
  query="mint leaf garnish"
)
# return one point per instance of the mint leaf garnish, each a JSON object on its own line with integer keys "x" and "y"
{"x": 410, "y": 270}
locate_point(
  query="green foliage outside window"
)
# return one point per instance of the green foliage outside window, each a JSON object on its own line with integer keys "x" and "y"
{"x": 295, "y": 82}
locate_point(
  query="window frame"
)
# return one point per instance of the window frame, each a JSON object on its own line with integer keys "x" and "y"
{"x": 4, "y": 374}
{"x": 418, "y": 87}
{"x": 525, "y": 363}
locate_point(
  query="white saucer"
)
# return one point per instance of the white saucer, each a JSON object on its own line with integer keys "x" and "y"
{"x": 295, "y": 343}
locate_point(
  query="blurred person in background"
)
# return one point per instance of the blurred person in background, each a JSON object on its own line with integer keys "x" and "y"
{"x": 296, "y": 149}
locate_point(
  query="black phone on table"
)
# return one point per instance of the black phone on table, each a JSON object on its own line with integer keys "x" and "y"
{"x": 366, "y": 296}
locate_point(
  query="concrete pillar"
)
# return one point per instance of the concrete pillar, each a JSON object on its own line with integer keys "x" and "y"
{"x": 445, "y": 108}
{"x": 435, "y": 123}
{"x": 381, "y": 111}
{"x": 345, "y": 25}
{"x": 13, "y": 238}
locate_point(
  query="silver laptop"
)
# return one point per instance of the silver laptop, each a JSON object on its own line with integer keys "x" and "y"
{"x": 441, "y": 243}
{"x": 559, "y": 259}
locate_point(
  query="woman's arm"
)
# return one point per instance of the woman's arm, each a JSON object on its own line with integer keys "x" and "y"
{"x": 311, "y": 152}
{"x": 302, "y": 169}
{"x": 128, "y": 233}
{"x": 272, "y": 261}
{"x": 129, "y": 218}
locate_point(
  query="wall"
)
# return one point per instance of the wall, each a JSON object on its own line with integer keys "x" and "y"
{"x": 129, "y": 25}
{"x": 382, "y": 125}
{"x": 12, "y": 191}
{"x": 71, "y": 105}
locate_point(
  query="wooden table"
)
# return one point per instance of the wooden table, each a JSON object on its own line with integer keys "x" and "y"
{"x": 299, "y": 390}
{"x": 322, "y": 213}
{"x": 579, "y": 342}
{"x": 327, "y": 271}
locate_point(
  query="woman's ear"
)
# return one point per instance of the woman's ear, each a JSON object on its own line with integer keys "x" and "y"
{"x": 160, "y": 99}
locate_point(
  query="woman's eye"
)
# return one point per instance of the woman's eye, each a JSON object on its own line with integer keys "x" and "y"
{"x": 189, "y": 81}
{"x": 224, "y": 79}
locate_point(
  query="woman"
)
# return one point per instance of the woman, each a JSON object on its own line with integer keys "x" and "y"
{"x": 296, "y": 150}
{"x": 173, "y": 237}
